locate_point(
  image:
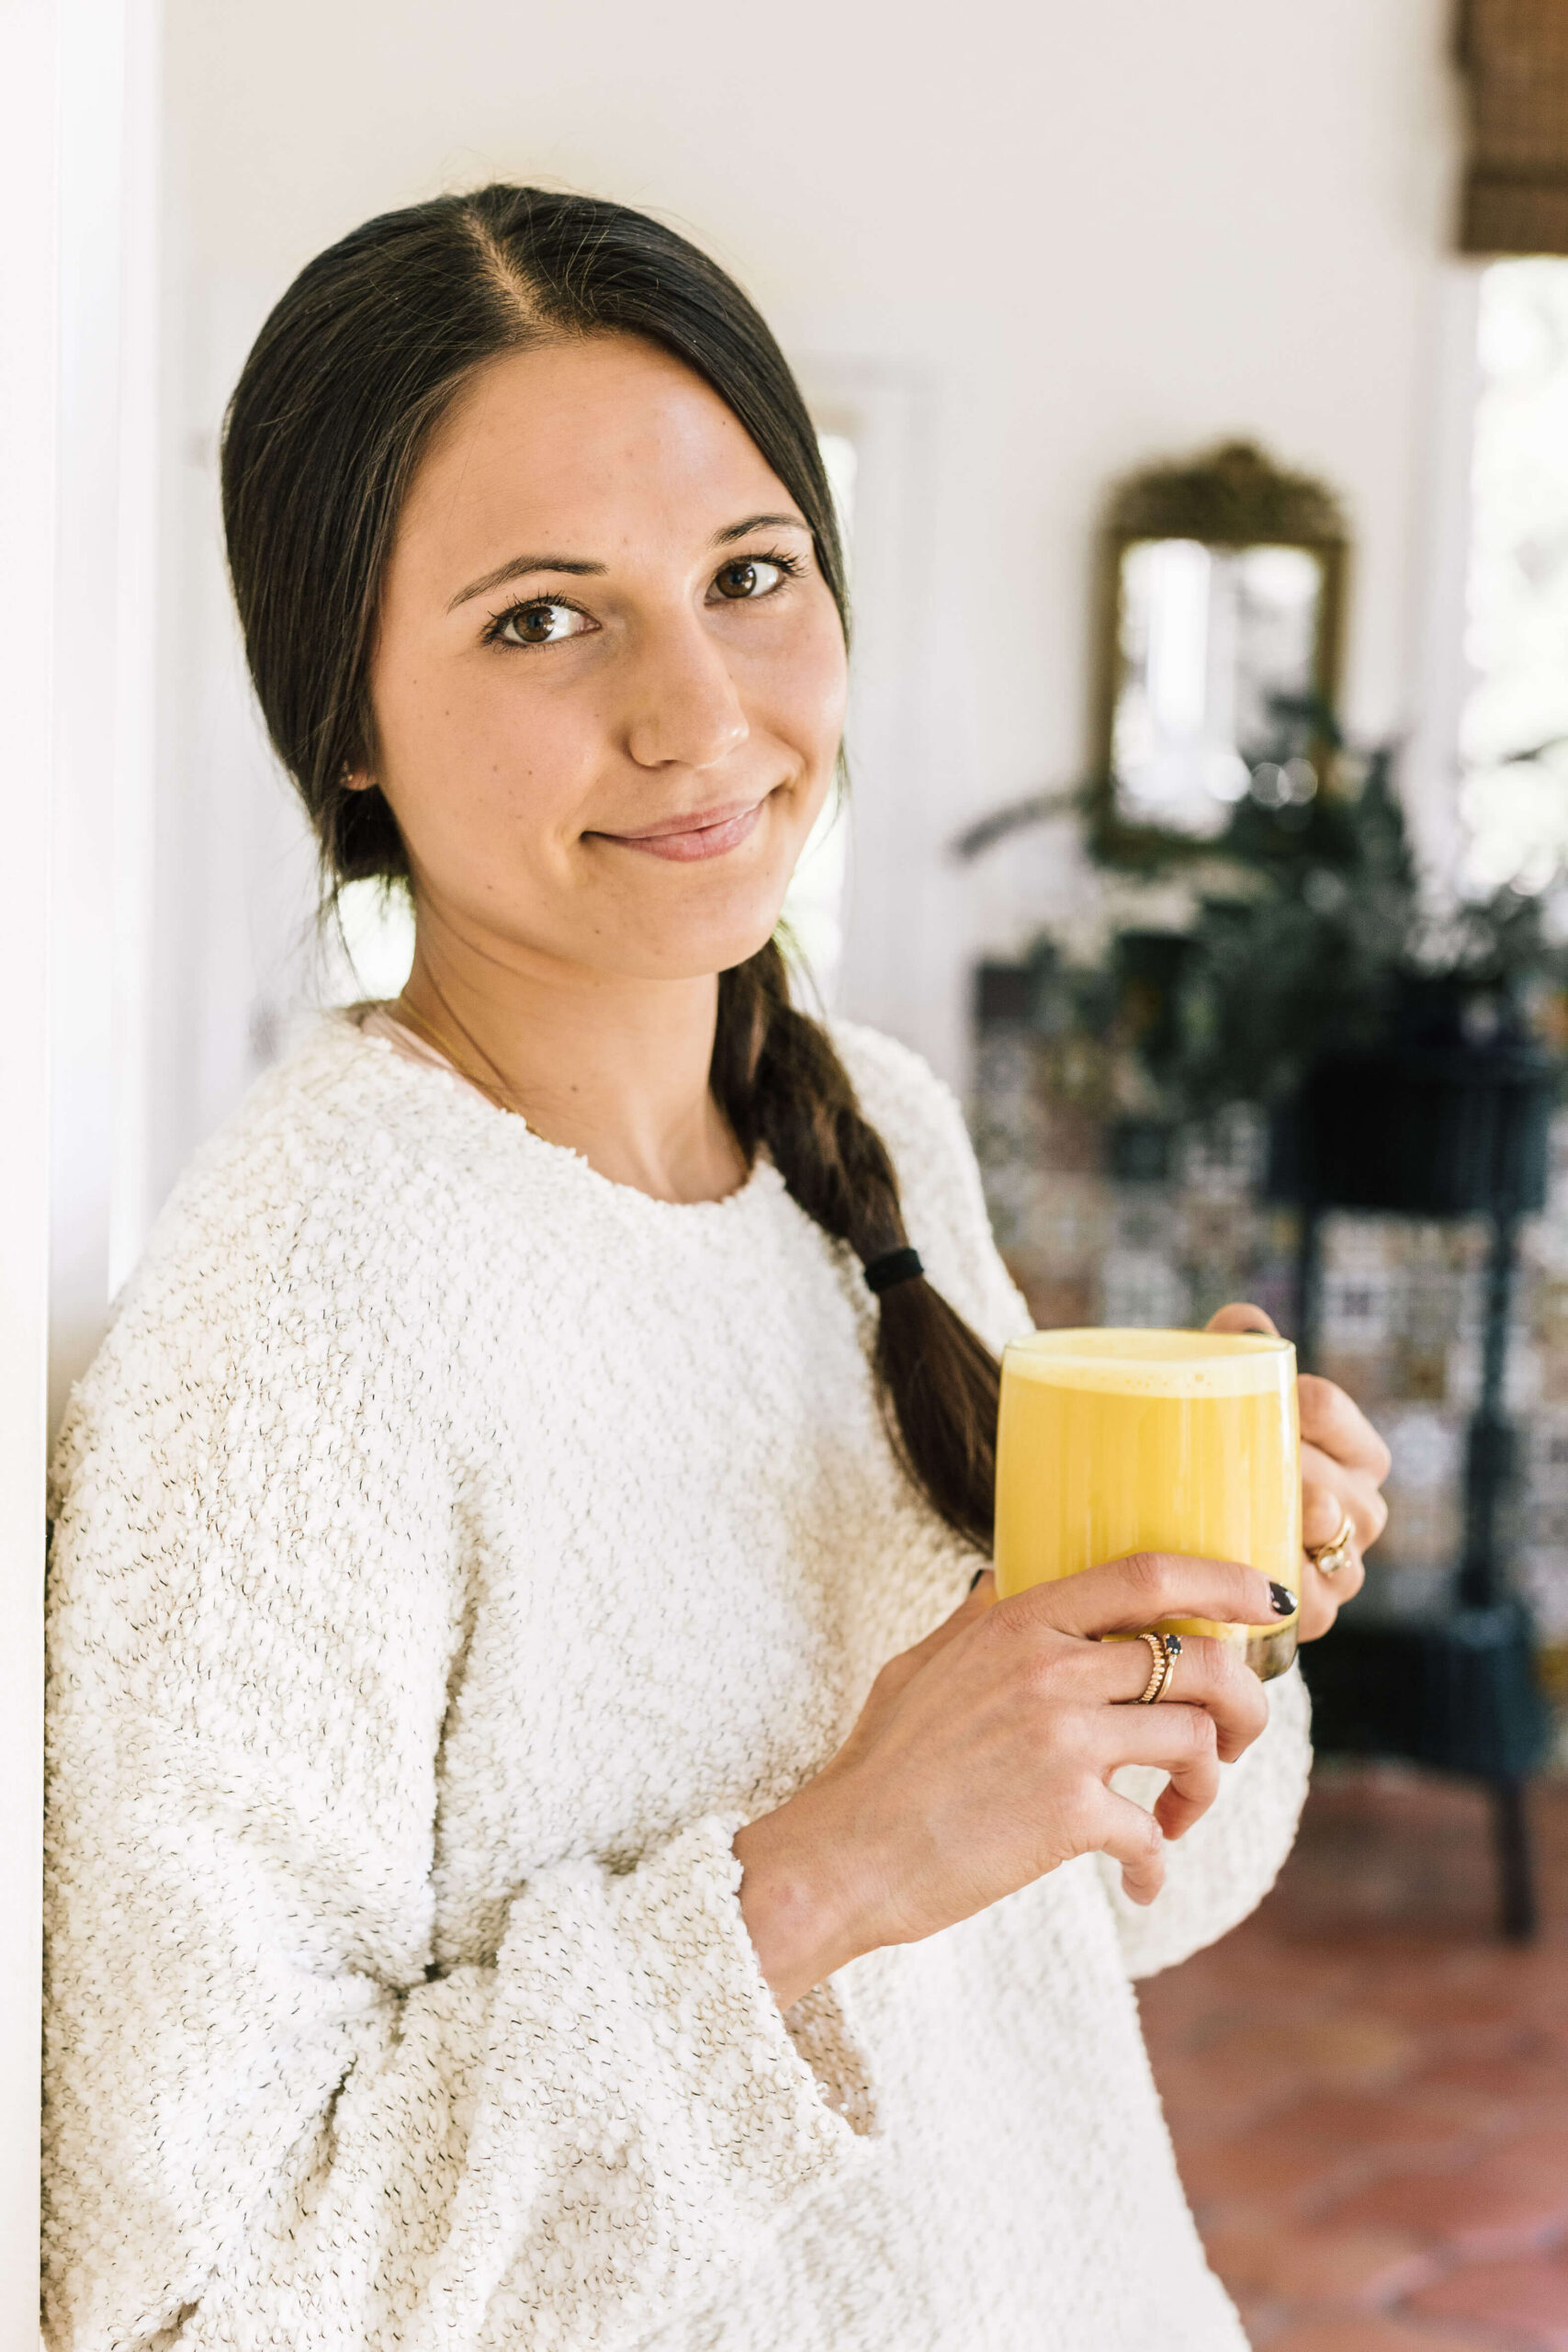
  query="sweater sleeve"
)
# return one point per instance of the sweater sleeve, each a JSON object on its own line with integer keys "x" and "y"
{"x": 1227, "y": 1861}
{"x": 271, "y": 2121}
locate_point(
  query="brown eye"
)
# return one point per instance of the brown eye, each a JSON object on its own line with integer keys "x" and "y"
{"x": 541, "y": 624}
{"x": 746, "y": 579}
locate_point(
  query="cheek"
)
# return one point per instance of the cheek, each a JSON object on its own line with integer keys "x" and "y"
{"x": 472, "y": 757}
{"x": 803, "y": 689}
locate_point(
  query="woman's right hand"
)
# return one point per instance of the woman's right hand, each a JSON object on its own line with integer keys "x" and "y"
{"x": 982, "y": 1759}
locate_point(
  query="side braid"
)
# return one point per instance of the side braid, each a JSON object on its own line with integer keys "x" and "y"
{"x": 779, "y": 1082}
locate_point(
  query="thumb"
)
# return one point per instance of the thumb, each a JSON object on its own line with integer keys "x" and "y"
{"x": 974, "y": 1603}
{"x": 900, "y": 1671}
{"x": 1242, "y": 1319}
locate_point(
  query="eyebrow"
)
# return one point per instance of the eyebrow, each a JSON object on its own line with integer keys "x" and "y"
{"x": 518, "y": 569}
{"x": 521, "y": 565}
{"x": 756, "y": 523}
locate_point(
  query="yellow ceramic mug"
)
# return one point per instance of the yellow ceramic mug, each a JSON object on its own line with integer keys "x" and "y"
{"x": 1118, "y": 1441}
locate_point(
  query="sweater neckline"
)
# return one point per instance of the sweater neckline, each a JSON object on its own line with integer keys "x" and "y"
{"x": 424, "y": 1067}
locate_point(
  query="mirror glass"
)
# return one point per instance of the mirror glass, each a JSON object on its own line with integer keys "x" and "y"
{"x": 1207, "y": 637}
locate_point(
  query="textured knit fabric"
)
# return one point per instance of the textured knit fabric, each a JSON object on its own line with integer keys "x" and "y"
{"x": 453, "y": 1548}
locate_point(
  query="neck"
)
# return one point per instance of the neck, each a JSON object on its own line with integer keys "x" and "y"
{"x": 615, "y": 1068}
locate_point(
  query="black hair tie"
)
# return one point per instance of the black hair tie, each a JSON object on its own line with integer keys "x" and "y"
{"x": 892, "y": 1266}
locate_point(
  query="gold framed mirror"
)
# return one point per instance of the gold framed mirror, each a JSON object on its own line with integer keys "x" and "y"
{"x": 1222, "y": 613}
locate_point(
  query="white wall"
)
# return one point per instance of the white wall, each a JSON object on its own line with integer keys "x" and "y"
{"x": 1053, "y": 241}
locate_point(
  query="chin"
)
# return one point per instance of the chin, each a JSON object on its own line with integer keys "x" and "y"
{"x": 689, "y": 942}
{"x": 721, "y": 956}
{"x": 695, "y": 949}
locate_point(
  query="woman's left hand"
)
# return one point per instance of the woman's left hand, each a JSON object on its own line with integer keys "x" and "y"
{"x": 1343, "y": 1463}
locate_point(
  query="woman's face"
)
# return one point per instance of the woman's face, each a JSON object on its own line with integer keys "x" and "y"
{"x": 609, "y": 679}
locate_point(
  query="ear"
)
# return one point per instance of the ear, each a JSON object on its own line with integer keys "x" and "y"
{"x": 357, "y": 780}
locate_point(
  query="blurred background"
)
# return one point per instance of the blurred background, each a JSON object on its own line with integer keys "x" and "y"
{"x": 1194, "y": 380}
{"x": 1011, "y": 257}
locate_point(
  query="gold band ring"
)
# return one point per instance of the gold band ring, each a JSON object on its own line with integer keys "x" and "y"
{"x": 1330, "y": 1557}
{"x": 1164, "y": 1650}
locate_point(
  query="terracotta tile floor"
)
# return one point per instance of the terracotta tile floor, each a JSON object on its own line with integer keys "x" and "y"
{"x": 1369, "y": 2092}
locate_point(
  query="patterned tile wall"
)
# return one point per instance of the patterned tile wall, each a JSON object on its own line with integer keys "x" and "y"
{"x": 1401, "y": 1301}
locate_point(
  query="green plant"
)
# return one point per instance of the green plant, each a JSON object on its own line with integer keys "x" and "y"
{"x": 1311, "y": 934}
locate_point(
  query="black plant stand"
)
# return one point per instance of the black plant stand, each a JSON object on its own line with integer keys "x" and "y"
{"x": 1438, "y": 1129}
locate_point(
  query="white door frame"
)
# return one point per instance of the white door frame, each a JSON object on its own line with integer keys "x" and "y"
{"x": 28, "y": 442}
{"x": 78, "y": 82}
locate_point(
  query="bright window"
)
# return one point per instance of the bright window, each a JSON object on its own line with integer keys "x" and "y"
{"x": 813, "y": 904}
{"x": 1513, "y": 728}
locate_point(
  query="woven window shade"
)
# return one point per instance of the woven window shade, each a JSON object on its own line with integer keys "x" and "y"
{"x": 1515, "y": 53}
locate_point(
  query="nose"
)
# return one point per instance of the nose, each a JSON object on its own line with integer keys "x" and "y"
{"x": 682, "y": 708}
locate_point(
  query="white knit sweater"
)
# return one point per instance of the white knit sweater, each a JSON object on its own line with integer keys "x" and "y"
{"x": 453, "y": 1548}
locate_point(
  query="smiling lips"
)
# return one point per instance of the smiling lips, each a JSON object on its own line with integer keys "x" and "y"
{"x": 705, "y": 832}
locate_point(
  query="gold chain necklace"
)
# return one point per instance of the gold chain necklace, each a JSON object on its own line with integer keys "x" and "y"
{"x": 403, "y": 1010}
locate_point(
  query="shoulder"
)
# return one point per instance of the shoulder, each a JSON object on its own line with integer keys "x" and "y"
{"x": 294, "y": 1242}
{"x": 309, "y": 1153}
{"x": 336, "y": 1116}
{"x": 920, "y": 1119}
{"x": 916, "y": 1112}
{"x": 325, "y": 1148}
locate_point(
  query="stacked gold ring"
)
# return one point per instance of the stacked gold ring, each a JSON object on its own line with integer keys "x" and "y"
{"x": 1330, "y": 1557}
{"x": 1165, "y": 1649}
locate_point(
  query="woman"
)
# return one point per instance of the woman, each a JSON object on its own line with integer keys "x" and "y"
{"x": 503, "y": 1895}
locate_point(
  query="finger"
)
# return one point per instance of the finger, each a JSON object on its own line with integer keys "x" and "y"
{"x": 1242, "y": 1319}
{"x": 1178, "y": 1740}
{"x": 1126, "y": 1595}
{"x": 1182, "y": 1801}
{"x": 1324, "y": 1508}
{"x": 1330, "y": 1494}
{"x": 1207, "y": 1674}
{"x": 1323, "y": 1597}
{"x": 1130, "y": 1836}
{"x": 1337, "y": 1425}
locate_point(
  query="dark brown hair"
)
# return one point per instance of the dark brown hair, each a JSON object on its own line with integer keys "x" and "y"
{"x": 360, "y": 361}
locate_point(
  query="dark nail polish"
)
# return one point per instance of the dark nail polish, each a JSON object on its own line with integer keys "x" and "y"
{"x": 975, "y": 1577}
{"x": 1283, "y": 1599}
